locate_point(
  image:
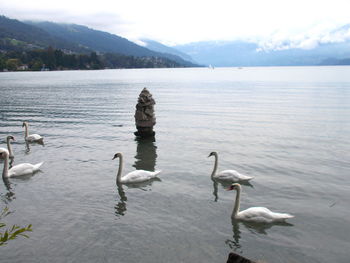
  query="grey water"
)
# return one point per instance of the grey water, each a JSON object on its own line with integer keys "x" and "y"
{"x": 289, "y": 127}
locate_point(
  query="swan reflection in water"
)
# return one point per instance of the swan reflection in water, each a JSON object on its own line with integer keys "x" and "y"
{"x": 225, "y": 185}
{"x": 9, "y": 195}
{"x": 145, "y": 159}
{"x": 120, "y": 207}
{"x": 27, "y": 150}
{"x": 253, "y": 227}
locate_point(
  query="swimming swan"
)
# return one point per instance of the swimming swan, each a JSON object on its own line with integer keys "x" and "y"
{"x": 19, "y": 169}
{"x": 255, "y": 214}
{"x": 227, "y": 175}
{"x": 137, "y": 176}
{"x": 32, "y": 137}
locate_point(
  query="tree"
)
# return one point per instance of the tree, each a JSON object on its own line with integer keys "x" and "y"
{"x": 51, "y": 59}
{"x": 13, "y": 63}
{"x": 12, "y": 232}
{"x": 2, "y": 63}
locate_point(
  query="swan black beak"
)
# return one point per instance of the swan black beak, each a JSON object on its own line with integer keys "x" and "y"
{"x": 211, "y": 154}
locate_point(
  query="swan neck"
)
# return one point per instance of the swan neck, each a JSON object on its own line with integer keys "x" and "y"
{"x": 237, "y": 202}
{"x": 9, "y": 147}
{"x": 215, "y": 165}
{"x": 5, "y": 171}
{"x": 119, "y": 174}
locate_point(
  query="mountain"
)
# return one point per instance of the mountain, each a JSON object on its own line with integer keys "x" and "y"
{"x": 244, "y": 53}
{"x": 159, "y": 47}
{"x": 16, "y": 35}
{"x": 102, "y": 41}
{"x": 19, "y": 36}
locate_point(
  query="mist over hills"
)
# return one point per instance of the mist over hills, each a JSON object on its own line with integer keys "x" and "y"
{"x": 17, "y": 35}
{"x": 332, "y": 48}
{"x": 159, "y": 47}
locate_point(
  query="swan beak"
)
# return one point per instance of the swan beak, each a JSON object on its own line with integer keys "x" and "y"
{"x": 230, "y": 188}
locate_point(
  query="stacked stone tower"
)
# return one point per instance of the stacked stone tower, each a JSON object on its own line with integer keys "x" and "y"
{"x": 144, "y": 115}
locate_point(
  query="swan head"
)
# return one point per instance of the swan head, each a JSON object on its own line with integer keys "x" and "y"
{"x": 10, "y": 137}
{"x": 24, "y": 124}
{"x": 3, "y": 153}
{"x": 117, "y": 155}
{"x": 213, "y": 154}
{"x": 234, "y": 186}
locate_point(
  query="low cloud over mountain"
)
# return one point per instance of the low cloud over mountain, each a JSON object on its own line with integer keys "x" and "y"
{"x": 312, "y": 48}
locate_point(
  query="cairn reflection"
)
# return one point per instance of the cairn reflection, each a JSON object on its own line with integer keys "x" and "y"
{"x": 146, "y": 154}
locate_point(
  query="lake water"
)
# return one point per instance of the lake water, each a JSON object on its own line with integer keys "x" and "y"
{"x": 287, "y": 126}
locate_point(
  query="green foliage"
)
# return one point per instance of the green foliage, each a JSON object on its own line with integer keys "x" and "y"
{"x": 12, "y": 232}
{"x": 53, "y": 59}
{"x": 56, "y": 59}
{"x": 12, "y": 64}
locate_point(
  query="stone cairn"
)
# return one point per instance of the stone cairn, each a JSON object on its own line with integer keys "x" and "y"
{"x": 144, "y": 114}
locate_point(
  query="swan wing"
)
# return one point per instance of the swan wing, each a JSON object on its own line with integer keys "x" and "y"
{"x": 139, "y": 176}
{"x": 262, "y": 215}
{"x": 34, "y": 137}
{"x": 232, "y": 175}
{"x": 24, "y": 169}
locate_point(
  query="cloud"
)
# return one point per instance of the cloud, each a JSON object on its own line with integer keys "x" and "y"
{"x": 184, "y": 21}
{"x": 309, "y": 40}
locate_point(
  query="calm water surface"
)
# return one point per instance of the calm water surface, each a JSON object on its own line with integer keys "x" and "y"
{"x": 289, "y": 127}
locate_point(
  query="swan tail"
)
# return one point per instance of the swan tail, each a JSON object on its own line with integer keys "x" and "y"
{"x": 41, "y": 141}
{"x": 284, "y": 216}
{"x": 289, "y": 216}
{"x": 155, "y": 173}
{"x": 37, "y": 166}
{"x": 248, "y": 178}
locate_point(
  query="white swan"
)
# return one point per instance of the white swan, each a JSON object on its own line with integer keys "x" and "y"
{"x": 255, "y": 214}
{"x": 31, "y": 137}
{"x": 137, "y": 176}
{"x": 227, "y": 175}
{"x": 9, "y": 147}
{"x": 19, "y": 169}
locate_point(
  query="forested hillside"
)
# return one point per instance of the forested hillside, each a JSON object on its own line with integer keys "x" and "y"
{"x": 36, "y": 46}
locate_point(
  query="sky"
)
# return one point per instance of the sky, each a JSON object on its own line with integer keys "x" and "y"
{"x": 302, "y": 23}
